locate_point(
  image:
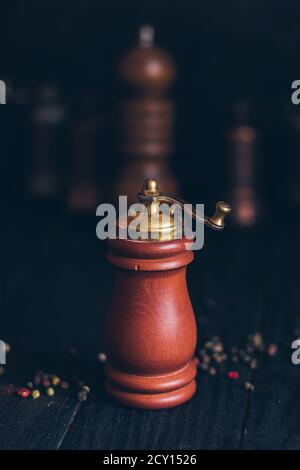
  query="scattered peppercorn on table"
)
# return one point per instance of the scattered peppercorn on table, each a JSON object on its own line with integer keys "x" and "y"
{"x": 54, "y": 288}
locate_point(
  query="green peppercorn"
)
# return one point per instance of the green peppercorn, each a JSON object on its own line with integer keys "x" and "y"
{"x": 55, "y": 380}
{"x": 257, "y": 341}
{"x": 209, "y": 345}
{"x": 35, "y": 394}
{"x": 50, "y": 391}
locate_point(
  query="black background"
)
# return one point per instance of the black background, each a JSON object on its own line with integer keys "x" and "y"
{"x": 224, "y": 51}
{"x": 54, "y": 280}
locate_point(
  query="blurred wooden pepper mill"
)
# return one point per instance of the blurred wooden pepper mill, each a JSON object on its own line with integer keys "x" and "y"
{"x": 242, "y": 152}
{"x": 151, "y": 328}
{"x": 146, "y": 117}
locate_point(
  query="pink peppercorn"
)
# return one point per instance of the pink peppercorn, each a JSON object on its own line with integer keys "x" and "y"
{"x": 23, "y": 392}
{"x": 233, "y": 375}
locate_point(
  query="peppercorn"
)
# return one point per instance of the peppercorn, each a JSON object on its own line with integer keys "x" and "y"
{"x": 233, "y": 375}
{"x": 50, "y": 391}
{"x": 272, "y": 349}
{"x": 101, "y": 357}
{"x": 35, "y": 394}
{"x": 8, "y": 390}
{"x": 85, "y": 389}
{"x": 55, "y": 380}
{"x": 246, "y": 358}
{"x": 217, "y": 358}
{"x": 23, "y": 392}
{"x": 249, "y": 386}
{"x": 218, "y": 347}
{"x": 46, "y": 382}
{"x": 212, "y": 371}
{"x": 208, "y": 345}
{"x": 206, "y": 359}
{"x": 64, "y": 385}
{"x": 82, "y": 396}
{"x": 257, "y": 341}
{"x": 37, "y": 379}
{"x": 250, "y": 349}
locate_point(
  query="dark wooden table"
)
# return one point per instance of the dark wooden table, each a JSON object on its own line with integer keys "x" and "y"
{"x": 54, "y": 288}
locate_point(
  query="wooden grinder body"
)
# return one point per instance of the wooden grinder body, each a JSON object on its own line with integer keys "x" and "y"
{"x": 150, "y": 328}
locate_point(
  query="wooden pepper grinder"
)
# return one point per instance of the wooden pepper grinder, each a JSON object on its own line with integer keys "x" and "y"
{"x": 151, "y": 328}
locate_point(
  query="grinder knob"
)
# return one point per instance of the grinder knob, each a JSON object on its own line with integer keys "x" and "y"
{"x": 217, "y": 220}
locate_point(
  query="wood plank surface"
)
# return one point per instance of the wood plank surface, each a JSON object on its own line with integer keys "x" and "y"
{"x": 55, "y": 284}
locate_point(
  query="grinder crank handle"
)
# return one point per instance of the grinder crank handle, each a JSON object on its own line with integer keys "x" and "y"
{"x": 150, "y": 193}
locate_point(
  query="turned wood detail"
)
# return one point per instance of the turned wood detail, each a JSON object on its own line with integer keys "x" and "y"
{"x": 150, "y": 328}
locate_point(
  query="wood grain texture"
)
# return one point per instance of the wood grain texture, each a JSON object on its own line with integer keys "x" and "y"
{"x": 39, "y": 424}
{"x": 274, "y": 409}
{"x": 150, "y": 326}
